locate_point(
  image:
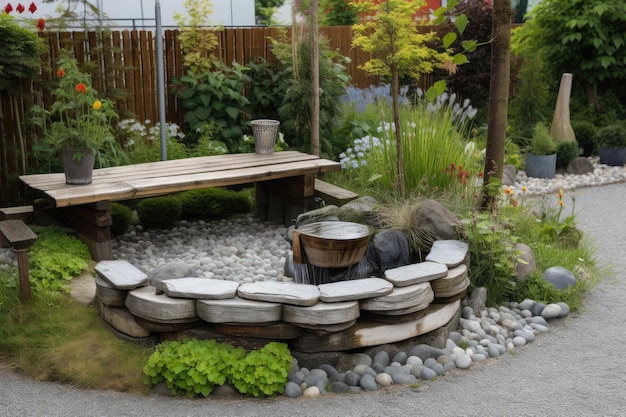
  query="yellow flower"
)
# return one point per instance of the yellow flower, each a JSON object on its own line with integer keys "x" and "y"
{"x": 97, "y": 104}
{"x": 560, "y": 193}
{"x": 561, "y": 203}
{"x": 524, "y": 189}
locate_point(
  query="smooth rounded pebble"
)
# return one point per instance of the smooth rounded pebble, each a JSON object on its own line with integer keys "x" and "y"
{"x": 368, "y": 383}
{"x": 293, "y": 390}
{"x": 384, "y": 380}
{"x": 463, "y": 361}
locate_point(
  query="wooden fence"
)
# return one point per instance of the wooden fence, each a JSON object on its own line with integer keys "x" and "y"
{"x": 123, "y": 65}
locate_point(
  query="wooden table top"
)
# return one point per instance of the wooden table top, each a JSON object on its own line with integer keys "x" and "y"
{"x": 166, "y": 177}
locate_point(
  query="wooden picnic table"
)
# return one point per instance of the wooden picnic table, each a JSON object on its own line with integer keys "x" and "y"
{"x": 284, "y": 187}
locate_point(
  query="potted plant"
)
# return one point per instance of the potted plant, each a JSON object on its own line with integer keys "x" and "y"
{"x": 541, "y": 158}
{"x": 78, "y": 122}
{"x": 585, "y": 136}
{"x": 612, "y": 142}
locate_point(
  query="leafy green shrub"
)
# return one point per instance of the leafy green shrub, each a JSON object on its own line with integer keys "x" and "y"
{"x": 566, "y": 152}
{"x": 55, "y": 258}
{"x": 542, "y": 142}
{"x": 199, "y": 366}
{"x": 492, "y": 255}
{"x": 295, "y": 109}
{"x": 160, "y": 212}
{"x": 263, "y": 372}
{"x": 214, "y": 203}
{"x": 266, "y": 90}
{"x": 612, "y": 136}
{"x": 215, "y": 97}
{"x": 121, "y": 217}
{"x": 191, "y": 367}
{"x": 585, "y": 135}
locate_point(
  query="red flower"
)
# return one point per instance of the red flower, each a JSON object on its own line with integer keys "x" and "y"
{"x": 32, "y": 8}
{"x": 60, "y": 73}
{"x": 41, "y": 25}
{"x": 81, "y": 88}
{"x": 20, "y": 8}
{"x": 8, "y": 8}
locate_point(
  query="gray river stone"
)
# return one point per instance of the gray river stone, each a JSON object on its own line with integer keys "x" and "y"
{"x": 560, "y": 277}
{"x": 551, "y": 311}
{"x": 449, "y": 252}
{"x": 382, "y": 357}
{"x": 368, "y": 382}
{"x": 293, "y": 390}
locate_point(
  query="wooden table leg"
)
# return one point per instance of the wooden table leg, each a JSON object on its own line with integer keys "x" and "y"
{"x": 22, "y": 268}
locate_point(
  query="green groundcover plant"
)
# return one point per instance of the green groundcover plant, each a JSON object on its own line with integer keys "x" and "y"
{"x": 197, "y": 367}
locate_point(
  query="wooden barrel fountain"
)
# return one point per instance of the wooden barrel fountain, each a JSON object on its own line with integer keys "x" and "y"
{"x": 328, "y": 245}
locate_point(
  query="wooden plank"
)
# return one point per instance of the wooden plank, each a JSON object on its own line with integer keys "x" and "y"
{"x": 134, "y": 185}
{"x": 332, "y": 194}
{"x": 365, "y": 333}
{"x": 17, "y": 233}
{"x": 171, "y": 167}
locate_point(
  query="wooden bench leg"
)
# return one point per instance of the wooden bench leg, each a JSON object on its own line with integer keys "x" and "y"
{"x": 22, "y": 268}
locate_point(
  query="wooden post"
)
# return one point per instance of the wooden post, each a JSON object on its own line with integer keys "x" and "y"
{"x": 561, "y": 128}
{"x": 22, "y": 267}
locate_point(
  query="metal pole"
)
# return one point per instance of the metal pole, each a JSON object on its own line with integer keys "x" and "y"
{"x": 160, "y": 79}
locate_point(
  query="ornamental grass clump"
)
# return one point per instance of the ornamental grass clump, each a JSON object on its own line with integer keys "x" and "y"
{"x": 433, "y": 140}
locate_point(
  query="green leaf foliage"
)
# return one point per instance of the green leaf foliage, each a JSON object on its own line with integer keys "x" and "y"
{"x": 20, "y": 51}
{"x": 214, "y": 203}
{"x": 582, "y": 37}
{"x": 197, "y": 367}
{"x": 55, "y": 258}
{"x": 160, "y": 212}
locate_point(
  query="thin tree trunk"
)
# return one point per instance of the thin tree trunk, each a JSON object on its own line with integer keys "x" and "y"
{"x": 395, "y": 92}
{"x": 315, "y": 81}
{"x": 498, "y": 100}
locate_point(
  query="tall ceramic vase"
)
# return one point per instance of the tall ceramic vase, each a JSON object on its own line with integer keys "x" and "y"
{"x": 78, "y": 166}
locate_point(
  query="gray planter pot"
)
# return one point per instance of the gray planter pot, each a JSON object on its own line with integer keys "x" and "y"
{"x": 540, "y": 166}
{"x": 78, "y": 171}
{"x": 615, "y": 157}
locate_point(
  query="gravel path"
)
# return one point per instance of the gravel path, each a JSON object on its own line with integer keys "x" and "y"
{"x": 574, "y": 370}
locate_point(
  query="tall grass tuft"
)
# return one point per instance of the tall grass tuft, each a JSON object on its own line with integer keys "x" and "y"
{"x": 54, "y": 338}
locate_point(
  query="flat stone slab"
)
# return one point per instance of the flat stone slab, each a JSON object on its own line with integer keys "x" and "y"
{"x": 455, "y": 282}
{"x": 280, "y": 292}
{"x": 401, "y": 297}
{"x": 199, "y": 288}
{"x": 106, "y": 294}
{"x": 121, "y": 274}
{"x": 144, "y": 302}
{"x": 122, "y": 320}
{"x": 322, "y": 313}
{"x": 238, "y": 310}
{"x": 373, "y": 334}
{"x": 416, "y": 273}
{"x": 448, "y": 252}
{"x": 354, "y": 289}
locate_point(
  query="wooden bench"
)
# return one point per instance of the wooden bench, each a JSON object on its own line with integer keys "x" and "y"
{"x": 284, "y": 185}
{"x": 332, "y": 194}
{"x": 16, "y": 234}
{"x": 19, "y": 212}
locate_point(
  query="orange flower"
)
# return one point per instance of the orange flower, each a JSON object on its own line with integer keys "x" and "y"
{"x": 508, "y": 191}
{"x": 561, "y": 203}
{"x": 81, "y": 88}
{"x": 97, "y": 104}
{"x": 60, "y": 73}
{"x": 560, "y": 193}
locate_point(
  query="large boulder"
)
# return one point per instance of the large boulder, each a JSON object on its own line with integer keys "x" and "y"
{"x": 171, "y": 270}
{"x": 388, "y": 249}
{"x": 439, "y": 222}
{"x": 508, "y": 174}
{"x": 560, "y": 277}
{"x": 579, "y": 166}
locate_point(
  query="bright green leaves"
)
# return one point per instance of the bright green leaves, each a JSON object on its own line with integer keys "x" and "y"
{"x": 197, "y": 367}
{"x": 461, "y": 23}
{"x": 449, "y": 39}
